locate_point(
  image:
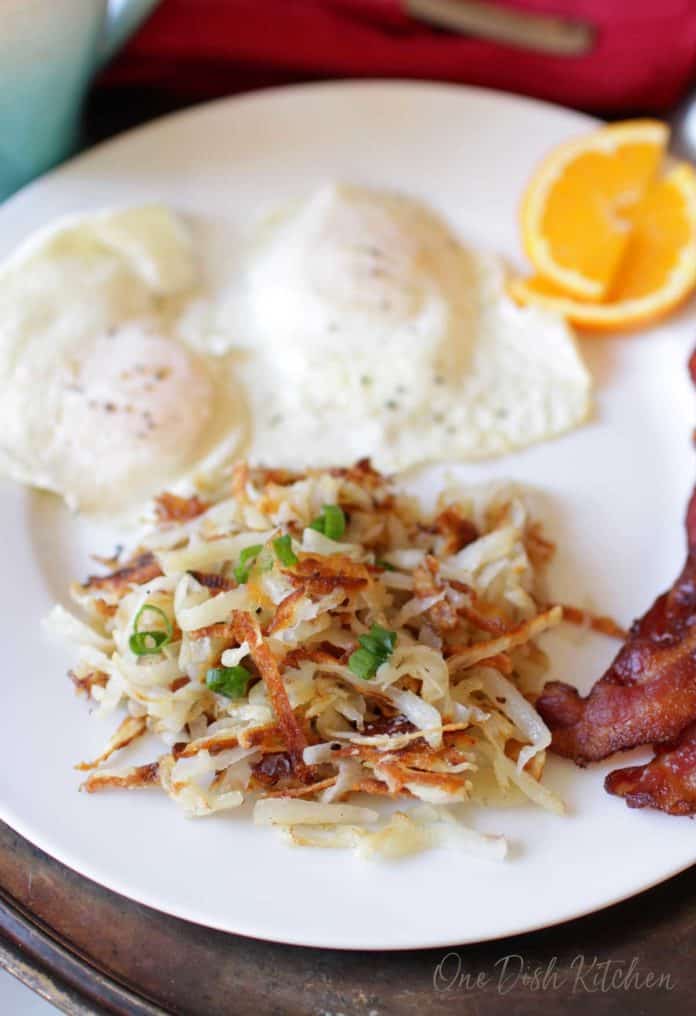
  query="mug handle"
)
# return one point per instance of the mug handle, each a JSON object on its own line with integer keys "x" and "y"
{"x": 122, "y": 19}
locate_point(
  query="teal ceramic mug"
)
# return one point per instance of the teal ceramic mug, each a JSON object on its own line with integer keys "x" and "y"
{"x": 49, "y": 52}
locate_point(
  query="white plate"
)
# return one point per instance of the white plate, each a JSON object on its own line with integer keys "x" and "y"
{"x": 617, "y": 491}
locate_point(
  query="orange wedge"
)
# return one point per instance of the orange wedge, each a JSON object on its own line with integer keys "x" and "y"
{"x": 574, "y": 213}
{"x": 656, "y": 272}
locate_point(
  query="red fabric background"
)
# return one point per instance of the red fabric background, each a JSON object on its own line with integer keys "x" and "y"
{"x": 644, "y": 57}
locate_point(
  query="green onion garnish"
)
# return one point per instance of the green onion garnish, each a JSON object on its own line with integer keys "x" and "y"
{"x": 246, "y": 560}
{"x": 331, "y": 522}
{"x": 379, "y": 642}
{"x": 375, "y": 649}
{"x": 150, "y": 641}
{"x": 231, "y": 682}
{"x": 382, "y": 563}
{"x": 284, "y": 552}
{"x": 363, "y": 664}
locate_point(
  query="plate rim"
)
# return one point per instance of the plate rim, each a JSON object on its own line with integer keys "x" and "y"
{"x": 278, "y": 91}
{"x": 177, "y": 118}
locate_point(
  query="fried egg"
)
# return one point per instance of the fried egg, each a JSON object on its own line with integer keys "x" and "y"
{"x": 100, "y": 401}
{"x": 368, "y": 328}
{"x": 355, "y": 324}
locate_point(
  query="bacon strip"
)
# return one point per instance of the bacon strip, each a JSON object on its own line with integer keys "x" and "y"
{"x": 668, "y": 782}
{"x": 648, "y": 694}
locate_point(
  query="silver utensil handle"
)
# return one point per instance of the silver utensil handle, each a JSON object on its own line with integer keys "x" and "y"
{"x": 544, "y": 33}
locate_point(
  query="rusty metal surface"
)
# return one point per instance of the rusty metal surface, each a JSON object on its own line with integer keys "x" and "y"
{"x": 31, "y": 954}
{"x": 119, "y": 957}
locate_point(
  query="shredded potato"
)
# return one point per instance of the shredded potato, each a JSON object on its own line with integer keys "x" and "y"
{"x": 279, "y": 665}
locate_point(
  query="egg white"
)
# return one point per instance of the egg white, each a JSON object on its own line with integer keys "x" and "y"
{"x": 368, "y": 328}
{"x": 100, "y": 401}
{"x": 355, "y": 324}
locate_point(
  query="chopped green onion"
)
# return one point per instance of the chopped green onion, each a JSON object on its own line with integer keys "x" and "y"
{"x": 375, "y": 649}
{"x": 264, "y": 562}
{"x": 331, "y": 522}
{"x": 246, "y": 560}
{"x": 379, "y": 640}
{"x": 284, "y": 552}
{"x": 363, "y": 664}
{"x": 382, "y": 563}
{"x": 150, "y": 641}
{"x": 231, "y": 682}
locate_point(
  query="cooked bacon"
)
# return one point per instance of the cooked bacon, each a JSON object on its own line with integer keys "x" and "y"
{"x": 692, "y": 366}
{"x": 218, "y": 583}
{"x": 458, "y": 531}
{"x": 648, "y": 694}
{"x": 598, "y": 623}
{"x": 141, "y": 568}
{"x": 318, "y": 576}
{"x": 130, "y": 779}
{"x": 172, "y": 508}
{"x": 668, "y": 782}
{"x": 128, "y": 731}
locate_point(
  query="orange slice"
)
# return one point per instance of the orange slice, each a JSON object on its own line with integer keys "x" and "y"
{"x": 657, "y": 270}
{"x": 574, "y": 213}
